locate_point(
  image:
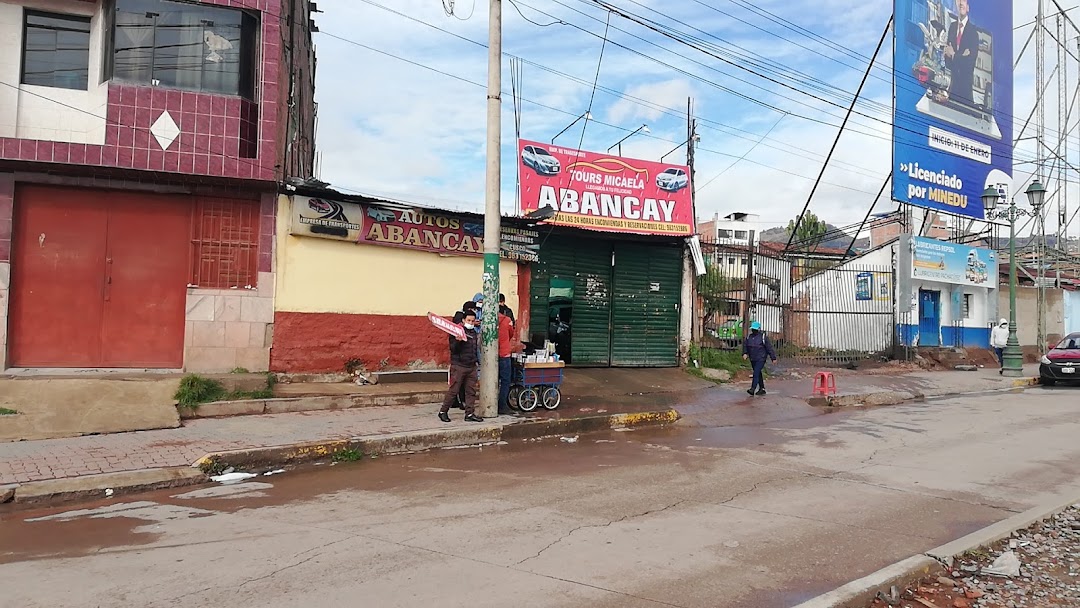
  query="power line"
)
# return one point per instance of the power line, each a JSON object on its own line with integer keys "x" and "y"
{"x": 746, "y": 97}
{"x": 719, "y": 126}
{"x": 568, "y": 113}
{"x": 675, "y": 34}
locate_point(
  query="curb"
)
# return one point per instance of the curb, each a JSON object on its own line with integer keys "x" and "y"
{"x": 457, "y": 436}
{"x": 898, "y": 397}
{"x": 125, "y": 482}
{"x": 95, "y": 486}
{"x": 284, "y": 405}
{"x": 859, "y": 593}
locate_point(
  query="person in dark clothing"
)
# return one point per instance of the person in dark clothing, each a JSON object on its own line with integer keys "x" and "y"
{"x": 468, "y": 306}
{"x": 464, "y": 361}
{"x": 505, "y": 310}
{"x": 961, "y": 55}
{"x": 757, "y": 349}
{"x": 459, "y": 315}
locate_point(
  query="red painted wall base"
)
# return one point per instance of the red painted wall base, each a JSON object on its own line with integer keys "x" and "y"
{"x": 325, "y": 342}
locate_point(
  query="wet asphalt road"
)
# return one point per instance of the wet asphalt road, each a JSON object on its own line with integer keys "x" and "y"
{"x": 744, "y": 503}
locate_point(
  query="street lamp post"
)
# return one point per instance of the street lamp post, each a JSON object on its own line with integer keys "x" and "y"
{"x": 642, "y": 128}
{"x": 1013, "y": 357}
{"x": 695, "y": 138}
{"x": 586, "y": 116}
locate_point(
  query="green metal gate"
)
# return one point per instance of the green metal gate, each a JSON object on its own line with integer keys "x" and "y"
{"x": 624, "y": 299}
{"x": 580, "y": 269}
{"x": 645, "y": 306}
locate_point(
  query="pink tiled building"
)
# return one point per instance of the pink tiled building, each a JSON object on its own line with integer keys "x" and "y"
{"x": 141, "y": 147}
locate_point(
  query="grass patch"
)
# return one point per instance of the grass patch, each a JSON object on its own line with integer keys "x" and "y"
{"x": 195, "y": 390}
{"x": 348, "y": 455}
{"x": 7, "y": 412}
{"x": 239, "y": 370}
{"x": 267, "y": 392}
{"x": 729, "y": 360}
{"x": 212, "y": 468}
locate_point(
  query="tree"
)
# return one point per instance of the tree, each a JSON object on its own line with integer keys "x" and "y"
{"x": 717, "y": 289}
{"x": 811, "y": 229}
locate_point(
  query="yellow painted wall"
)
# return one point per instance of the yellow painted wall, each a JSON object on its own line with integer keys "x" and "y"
{"x": 323, "y": 275}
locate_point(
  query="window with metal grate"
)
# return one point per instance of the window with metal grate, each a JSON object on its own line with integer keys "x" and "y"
{"x": 225, "y": 243}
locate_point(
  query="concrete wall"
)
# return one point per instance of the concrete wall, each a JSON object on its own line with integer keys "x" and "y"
{"x": 340, "y": 301}
{"x": 230, "y": 328}
{"x": 29, "y": 112}
{"x": 1027, "y": 313}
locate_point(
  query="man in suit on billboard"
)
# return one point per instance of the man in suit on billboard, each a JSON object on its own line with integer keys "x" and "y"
{"x": 961, "y": 53}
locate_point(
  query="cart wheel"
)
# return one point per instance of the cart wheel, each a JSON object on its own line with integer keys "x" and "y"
{"x": 515, "y": 396}
{"x": 528, "y": 400}
{"x": 552, "y": 397}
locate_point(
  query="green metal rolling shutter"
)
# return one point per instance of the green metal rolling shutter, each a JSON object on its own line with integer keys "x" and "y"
{"x": 645, "y": 306}
{"x": 591, "y": 328}
{"x": 586, "y": 263}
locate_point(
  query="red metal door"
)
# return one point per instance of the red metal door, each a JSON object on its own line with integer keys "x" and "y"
{"x": 98, "y": 278}
{"x": 146, "y": 269}
{"x": 57, "y": 272}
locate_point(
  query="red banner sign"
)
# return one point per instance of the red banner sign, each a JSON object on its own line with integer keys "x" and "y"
{"x": 448, "y": 326}
{"x": 424, "y": 229}
{"x": 604, "y": 192}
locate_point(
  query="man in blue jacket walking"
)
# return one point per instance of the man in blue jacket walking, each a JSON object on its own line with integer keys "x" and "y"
{"x": 757, "y": 349}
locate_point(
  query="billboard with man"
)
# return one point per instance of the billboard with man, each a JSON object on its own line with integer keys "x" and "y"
{"x": 953, "y": 109}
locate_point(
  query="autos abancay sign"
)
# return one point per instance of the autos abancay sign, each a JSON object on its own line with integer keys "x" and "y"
{"x": 426, "y": 230}
{"x": 604, "y": 192}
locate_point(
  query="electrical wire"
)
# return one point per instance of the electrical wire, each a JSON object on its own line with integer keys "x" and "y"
{"x": 518, "y": 9}
{"x": 675, "y": 35}
{"x": 448, "y": 6}
{"x": 879, "y": 135}
{"x": 785, "y": 147}
{"x": 568, "y": 113}
{"x": 698, "y": 189}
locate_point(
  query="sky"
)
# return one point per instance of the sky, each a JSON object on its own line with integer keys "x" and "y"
{"x": 400, "y": 86}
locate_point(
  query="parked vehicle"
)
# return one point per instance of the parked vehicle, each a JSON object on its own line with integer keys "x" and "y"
{"x": 1062, "y": 363}
{"x": 540, "y": 160}
{"x": 672, "y": 180}
{"x": 730, "y": 332}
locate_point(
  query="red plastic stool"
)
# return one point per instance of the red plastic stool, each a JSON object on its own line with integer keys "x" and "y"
{"x": 824, "y": 383}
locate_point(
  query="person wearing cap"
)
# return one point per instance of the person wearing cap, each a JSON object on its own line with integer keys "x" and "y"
{"x": 506, "y": 310}
{"x": 757, "y": 349}
{"x": 999, "y": 339}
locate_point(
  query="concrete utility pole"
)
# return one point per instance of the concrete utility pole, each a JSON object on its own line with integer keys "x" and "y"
{"x": 1041, "y": 147}
{"x": 489, "y": 324}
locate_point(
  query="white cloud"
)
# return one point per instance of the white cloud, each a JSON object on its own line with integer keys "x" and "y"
{"x": 665, "y": 94}
{"x": 387, "y": 125}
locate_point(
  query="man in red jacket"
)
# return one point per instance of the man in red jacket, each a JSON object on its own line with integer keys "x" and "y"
{"x": 506, "y": 349}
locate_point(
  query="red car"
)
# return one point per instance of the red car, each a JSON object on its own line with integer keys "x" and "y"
{"x": 1062, "y": 363}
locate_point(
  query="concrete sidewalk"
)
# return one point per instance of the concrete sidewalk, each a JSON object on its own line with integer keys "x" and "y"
{"x": 28, "y": 461}
{"x": 596, "y": 399}
{"x": 893, "y": 383}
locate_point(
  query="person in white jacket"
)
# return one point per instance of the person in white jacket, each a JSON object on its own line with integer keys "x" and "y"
{"x": 999, "y": 339}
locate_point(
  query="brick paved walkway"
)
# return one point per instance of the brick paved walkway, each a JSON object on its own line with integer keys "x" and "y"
{"x": 54, "y": 458}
